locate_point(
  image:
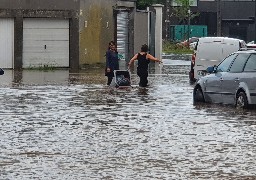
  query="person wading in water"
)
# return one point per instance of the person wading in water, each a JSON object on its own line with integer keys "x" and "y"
{"x": 143, "y": 60}
{"x": 112, "y": 62}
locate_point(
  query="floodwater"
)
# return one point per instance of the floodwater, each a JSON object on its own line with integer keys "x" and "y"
{"x": 63, "y": 125}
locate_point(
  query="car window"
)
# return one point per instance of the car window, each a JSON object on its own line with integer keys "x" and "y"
{"x": 251, "y": 63}
{"x": 225, "y": 64}
{"x": 239, "y": 62}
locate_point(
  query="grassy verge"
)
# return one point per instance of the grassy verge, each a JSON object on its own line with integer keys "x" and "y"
{"x": 173, "y": 48}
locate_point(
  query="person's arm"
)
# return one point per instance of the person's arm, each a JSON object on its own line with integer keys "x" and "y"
{"x": 132, "y": 60}
{"x": 108, "y": 61}
{"x": 150, "y": 57}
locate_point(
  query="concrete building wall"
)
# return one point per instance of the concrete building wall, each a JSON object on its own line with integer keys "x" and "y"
{"x": 98, "y": 27}
{"x": 141, "y": 24}
{"x": 40, "y": 4}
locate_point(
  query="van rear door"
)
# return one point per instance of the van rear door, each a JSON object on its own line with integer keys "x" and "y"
{"x": 229, "y": 46}
{"x": 208, "y": 54}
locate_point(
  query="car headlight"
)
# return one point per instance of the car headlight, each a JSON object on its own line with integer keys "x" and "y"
{"x": 202, "y": 73}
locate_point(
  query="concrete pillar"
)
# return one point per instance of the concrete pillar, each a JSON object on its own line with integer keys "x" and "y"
{"x": 74, "y": 43}
{"x": 18, "y": 40}
{"x": 158, "y": 33}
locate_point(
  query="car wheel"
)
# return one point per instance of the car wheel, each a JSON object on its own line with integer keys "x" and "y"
{"x": 198, "y": 95}
{"x": 241, "y": 101}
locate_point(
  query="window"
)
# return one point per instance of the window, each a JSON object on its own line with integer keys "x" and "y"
{"x": 251, "y": 63}
{"x": 238, "y": 65}
{"x": 225, "y": 64}
{"x": 191, "y": 3}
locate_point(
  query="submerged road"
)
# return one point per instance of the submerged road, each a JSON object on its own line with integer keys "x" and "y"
{"x": 61, "y": 125}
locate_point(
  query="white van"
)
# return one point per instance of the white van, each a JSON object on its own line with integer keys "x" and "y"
{"x": 209, "y": 51}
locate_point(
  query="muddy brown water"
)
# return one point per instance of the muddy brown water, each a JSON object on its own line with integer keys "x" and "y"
{"x": 63, "y": 125}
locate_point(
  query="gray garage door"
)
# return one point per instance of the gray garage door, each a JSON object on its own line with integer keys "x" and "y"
{"x": 45, "y": 42}
{"x": 6, "y": 42}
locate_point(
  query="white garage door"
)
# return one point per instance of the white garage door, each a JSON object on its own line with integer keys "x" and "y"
{"x": 6, "y": 42}
{"x": 45, "y": 43}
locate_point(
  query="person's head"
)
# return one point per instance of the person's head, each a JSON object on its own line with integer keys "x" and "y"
{"x": 111, "y": 45}
{"x": 144, "y": 48}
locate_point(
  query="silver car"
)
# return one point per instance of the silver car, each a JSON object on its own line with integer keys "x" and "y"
{"x": 233, "y": 81}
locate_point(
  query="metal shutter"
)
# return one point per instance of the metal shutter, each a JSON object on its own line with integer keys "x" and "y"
{"x": 122, "y": 33}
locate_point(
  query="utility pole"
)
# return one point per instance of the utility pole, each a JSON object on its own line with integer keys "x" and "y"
{"x": 188, "y": 15}
{"x": 188, "y": 24}
{"x": 255, "y": 22}
{"x": 167, "y": 20}
{"x": 219, "y": 17}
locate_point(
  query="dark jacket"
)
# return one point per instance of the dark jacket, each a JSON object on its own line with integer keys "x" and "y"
{"x": 112, "y": 61}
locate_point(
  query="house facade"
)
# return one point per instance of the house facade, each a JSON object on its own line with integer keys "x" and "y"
{"x": 66, "y": 33}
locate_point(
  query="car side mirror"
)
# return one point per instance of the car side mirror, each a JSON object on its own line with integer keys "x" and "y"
{"x": 210, "y": 69}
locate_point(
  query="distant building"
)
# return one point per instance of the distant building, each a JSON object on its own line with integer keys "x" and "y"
{"x": 236, "y": 18}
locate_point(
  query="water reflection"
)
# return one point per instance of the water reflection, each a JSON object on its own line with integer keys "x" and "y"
{"x": 58, "y": 77}
{"x": 228, "y": 112}
{"x": 143, "y": 91}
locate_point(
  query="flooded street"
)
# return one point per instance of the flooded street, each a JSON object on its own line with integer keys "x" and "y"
{"x": 63, "y": 125}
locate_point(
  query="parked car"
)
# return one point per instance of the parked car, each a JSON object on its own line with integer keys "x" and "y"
{"x": 251, "y": 45}
{"x": 192, "y": 45}
{"x": 210, "y": 51}
{"x": 233, "y": 81}
{"x": 189, "y": 43}
{"x": 1, "y": 71}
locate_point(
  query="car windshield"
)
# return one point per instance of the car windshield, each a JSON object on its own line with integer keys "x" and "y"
{"x": 225, "y": 64}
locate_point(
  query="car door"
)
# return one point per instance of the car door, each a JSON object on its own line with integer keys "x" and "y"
{"x": 231, "y": 79}
{"x": 213, "y": 83}
{"x": 249, "y": 77}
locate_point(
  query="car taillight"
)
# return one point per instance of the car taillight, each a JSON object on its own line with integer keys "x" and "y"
{"x": 193, "y": 59}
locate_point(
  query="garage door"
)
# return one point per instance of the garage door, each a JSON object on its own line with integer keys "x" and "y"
{"x": 45, "y": 43}
{"x": 6, "y": 42}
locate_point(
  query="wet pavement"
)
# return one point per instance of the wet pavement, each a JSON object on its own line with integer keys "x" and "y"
{"x": 62, "y": 125}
